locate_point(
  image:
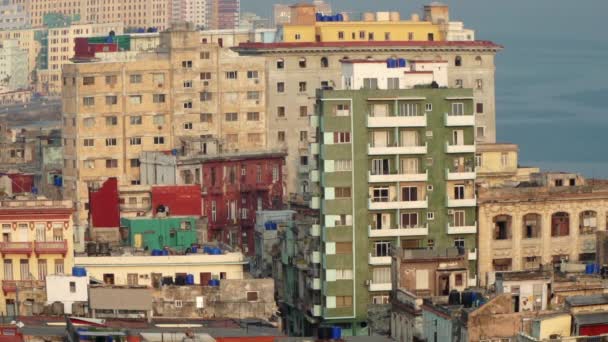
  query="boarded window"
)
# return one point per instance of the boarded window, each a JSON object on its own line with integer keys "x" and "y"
{"x": 344, "y": 247}
{"x": 344, "y": 301}
{"x": 252, "y": 296}
{"x": 422, "y": 279}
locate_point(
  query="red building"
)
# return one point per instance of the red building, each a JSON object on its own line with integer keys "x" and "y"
{"x": 234, "y": 187}
{"x": 182, "y": 200}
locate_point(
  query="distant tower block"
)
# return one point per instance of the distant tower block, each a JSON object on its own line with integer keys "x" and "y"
{"x": 437, "y": 13}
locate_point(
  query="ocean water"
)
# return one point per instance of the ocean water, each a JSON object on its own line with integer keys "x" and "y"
{"x": 551, "y": 78}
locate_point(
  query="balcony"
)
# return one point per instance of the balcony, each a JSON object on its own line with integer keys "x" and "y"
{"x": 9, "y": 286}
{"x": 384, "y": 150}
{"x": 316, "y": 310}
{"x": 462, "y": 230}
{"x": 396, "y": 121}
{"x": 398, "y": 177}
{"x": 459, "y": 148}
{"x": 459, "y": 120}
{"x": 314, "y": 283}
{"x": 460, "y": 203}
{"x": 315, "y": 202}
{"x": 457, "y": 175}
{"x": 388, "y": 205}
{"x": 315, "y": 257}
{"x": 314, "y": 176}
{"x": 314, "y": 148}
{"x": 315, "y": 230}
{"x": 379, "y": 260}
{"x": 380, "y": 287}
{"x": 397, "y": 232}
{"x": 51, "y": 247}
{"x": 472, "y": 254}
{"x": 16, "y": 248}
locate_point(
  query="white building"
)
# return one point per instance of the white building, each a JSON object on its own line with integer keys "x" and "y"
{"x": 393, "y": 74}
{"x": 13, "y": 66}
{"x": 66, "y": 289}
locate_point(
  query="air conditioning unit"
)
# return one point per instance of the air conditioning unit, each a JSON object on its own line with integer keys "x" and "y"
{"x": 368, "y": 282}
{"x": 450, "y": 212}
{"x": 257, "y": 81}
{"x": 257, "y": 102}
{"x": 160, "y": 85}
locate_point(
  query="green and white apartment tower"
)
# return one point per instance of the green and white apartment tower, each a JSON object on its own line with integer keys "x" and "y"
{"x": 395, "y": 167}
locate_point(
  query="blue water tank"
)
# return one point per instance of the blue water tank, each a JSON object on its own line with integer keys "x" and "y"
{"x": 391, "y": 63}
{"x": 57, "y": 180}
{"x": 336, "y": 333}
{"x": 214, "y": 282}
{"x": 34, "y": 190}
{"x": 216, "y": 251}
{"x": 79, "y": 271}
{"x": 207, "y": 250}
{"x": 325, "y": 18}
{"x": 156, "y": 252}
{"x": 589, "y": 269}
{"x": 189, "y": 279}
{"x": 319, "y": 16}
{"x": 174, "y": 152}
{"x": 194, "y": 249}
{"x": 339, "y": 17}
{"x": 596, "y": 268}
{"x": 165, "y": 252}
{"x": 401, "y": 62}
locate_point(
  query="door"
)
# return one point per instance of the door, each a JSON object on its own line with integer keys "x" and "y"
{"x": 459, "y": 192}
{"x": 8, "y": 269}
{"x": 409, "y": 138}
{"x": 380, "y": 167}
{"x": 458, "y": 137}
{"x": 10, "y": 308}
{"x": 409, "y": 165}
{"x": 380, "y": 138}
{"x": 409, "y": 193}
{"x": 380, "y": 110}
{"x": 444, "y": 285}
{"x": 23, "y": 232}
{"x": 382, "y": 220}
{"x": 40, "y": 232}
{"x": 205, "y": 277}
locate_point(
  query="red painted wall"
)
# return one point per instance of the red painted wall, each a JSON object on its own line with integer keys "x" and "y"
{"x": 183, "y": 200}
{"x": 84, "y": 49}
{"x": 104, "y": 205}
{"x": 21, "y": 182}
{"x": 243, "y": 190}
{"x": 593, "y": 330}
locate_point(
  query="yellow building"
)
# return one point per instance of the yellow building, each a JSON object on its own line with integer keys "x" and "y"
{"x": 542, "y": 223}
{"x": 304, "y": 27}
{"x": 114, "y": 111}
{"x": 497, "y": 164}
{"x": 37, "y": 239}
{"x": 26, "y": 40}
{"x": 149, "y": 270}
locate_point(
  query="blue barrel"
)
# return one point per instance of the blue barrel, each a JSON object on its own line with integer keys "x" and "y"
{"x": 589, "y": 269}
{"x": 194, "y": 249}
{"x": 268, "y": 225}
{"x": 216, "y": 251}
{"x": 339, "y": 17}
{"x": 273, "y": 226}
{"x": 79, "y": 271}
{"x": 401, "y": 62}
{"x": 189, "y": 279}
{"x": 156, "y": 252}
{"x": 214, "y": 282}
{"x": 391, "y": 63}
{"x": 207, "y": 250}
{"x": 165, "y": 252}
{"x": 336, "y": 333}
{"x": 319, "y": 16}
{"x": 596, "y": 268}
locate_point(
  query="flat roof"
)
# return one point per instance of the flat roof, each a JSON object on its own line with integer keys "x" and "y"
{"x": 277, "y": 45}
{"x": 597, "y": 299}
{"x": 594, "y": 318}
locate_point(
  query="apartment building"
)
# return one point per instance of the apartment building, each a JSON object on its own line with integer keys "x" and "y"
{"x": 114, "y": 111}
{"x": 13, "y": 72}
{"x": 552, "y": 218}
{"x": 282, "y": 12}
{"x": 393, "y": 167}
{"x": 36, "y": 240}
{"x": 27, "y": 43}
{"x": 137, "y": 13}
{"x": 296, "y": 68}
{"x": 223, "y": 14}
{"x": 13, "y": 16}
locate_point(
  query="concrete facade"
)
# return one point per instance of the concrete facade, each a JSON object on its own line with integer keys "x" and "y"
{"x": 13, "y": 72}
{"x": 13, "y": 16}
{"x": 498, "y": 164}
{"x": 522, "y": 228}
{"x": 267, "y": 223}
{"x": 67, "y": 290}
{"x": 115, "y": 111}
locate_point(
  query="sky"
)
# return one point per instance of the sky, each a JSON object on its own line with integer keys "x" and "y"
{"x": 551, "y": 77}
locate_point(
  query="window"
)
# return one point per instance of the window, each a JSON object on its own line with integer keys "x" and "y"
{"x": 478, "y": 60}
{"x": 344, "y": 247}
{"x": 280, "y": 87}
{"x": 159, "y": 140}
{"x": 408, "y": 109}
{"x": 302, "y": 87}
{"x": 158, "y": 98}
{"x": 205, "y": 55}
{"x": 232, "y": 75}
{"x": 478, "y": 160}
{"x": 88, "y": 80}
{"x": 459, "y": 83}
{"x": 410, "y": 36}
{"x": 135, "y": 141}
{"x": 206, "y": 117}
{"x": 188, "y": 84}
{"x": 342, "y": 110}
{"x": 380, "y": 194}
{"x": 458, "y": 218}
{"x": 252, "y": 296}
{"x": 281, "y": 136}
{"x": 457, "y": 108}
{"x": 89, "y": 142}
{"x": 253, "y": 116}
{"x": 281, "y": 112}
{"x": 341, "y": 35}
{"x": 275, "y": 173}
{"x": 341, "y": 137}
{"x": 158, "y": 119}
{"x": 135, "y": 78}
{"x": 303, "y": 160}
{"x": 297, "y": 36}
{"x": 134, "y": 162}
{"x": 479, "y": 83}
{"x": 430, "y": 215}
{"x": 280, "y": 63}
{"x": 111, "y": 121}
{"x": 428, "y": 107}
{"x": 302, "y": 62}
{"x": 111, "y": 100}
{"x": 458, "y": 61}
{"x": 392, "y": 83}
{"x": 88, "y": 122}
{"x": 480, "y": 132}
{"x": 205, "y": 96}
{"x": 370, "y": 83}
{"x": 343, "y": 165}
{"x": 430, "y": 37}
{"x": 88, "y": 164}
{"x": 502, "y": 227}
{"x": 409, "y": 193}
{"x": 303, "y": 111}
{"x": 479, "y": 108}
{"x": 231, "y": 116}
{"x": 110, "y": 141}
{"x": 344, "y": 274}
{"x": 186, "y": 64}
{"x": 252, "y": 74}
{"x": 188, "y": 105}
{"x": 344, "y": 301}
{"x": 111, "y": 163}
{"x": 409, "y": 220}
{"x": 135, "y": 120}
{"x": 187, "y": 125}
{"x": 135, "y": 99}
{"x": 253, "y": 95}
{"x": 342, "y": 192}
{"x": 459, "y": 192}
{"x": 88, "y": 101}
{"x": 158, "y": 78}
{"x": 303, "y": 136}
{"x": 361, "y": 34}
{"x": 42, "y": 269}
{"x": 458, "y": 279}
{"x": 382, "y": 248}
{"x": 560, "y": 224}
{"x": 254, "y": 137}
{"x": 59, "y": 269}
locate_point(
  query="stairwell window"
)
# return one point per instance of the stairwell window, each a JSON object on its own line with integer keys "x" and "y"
{"x": 158, "y": 98}
{"x": 186, "y": 64}
{"x": 231, "y": 75}
{"x": 135, "y": 99}
{"x": 342, "y": 192}
{"x": 110, "y": 141}
{"x": 135, "y": 79}
{"x": 159, "y": 140}
{"x": 88, "y": 101}
{"x": 111, "y": 121}
{"x": 88, "y": 80}
{"x": 253, "y": 116}
{"x": 231, "y": 117}
{"x": 458, "y": 108}
{"x": 341, "y": 137}
{"x": 111, "y": 163}
{"x": 252, "y": 74}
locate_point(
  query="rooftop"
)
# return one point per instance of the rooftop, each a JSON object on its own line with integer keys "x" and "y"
{"x": 589, "y": 319}
{"x": 524, "y": 275}
{"x": 597, "y": 299}
{"x": 485, "y": 44}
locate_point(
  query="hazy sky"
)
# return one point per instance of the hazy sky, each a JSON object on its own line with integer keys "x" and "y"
{"x": 552, "y": 76}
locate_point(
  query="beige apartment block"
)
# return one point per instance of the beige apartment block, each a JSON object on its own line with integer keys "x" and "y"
{"x": 133, "y": 13}
{"x": 521, "y": 228}
{"x": 113, "y": 111}
{"x": 25, "y": 38}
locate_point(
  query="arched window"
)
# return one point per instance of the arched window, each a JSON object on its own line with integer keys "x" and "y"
{"x": 560, "y": 224}
{"x": 302, "y": 62}
{"x": 458, "y": 61}
{"x": 502, "y": 227}
{"x": 324, "y": 62}
{"x": 280, "y": 63}
{"x": 478, "y": 60}
{"x": 587, "y": 222}
{"x": 531, "y": 226}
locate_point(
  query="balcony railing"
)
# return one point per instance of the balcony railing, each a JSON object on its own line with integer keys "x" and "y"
{"x": 9, "y": 286}
{"x": 462, "y": 229}
{"x": 396, "y": 149}
{"x": 459, "y": 148}
{"x": 380, "y": 204}
{"x": 464, "y": 202}
{"x": 380, "y": 286}
{"x": 396, "y": 232}
{"x": 398, "y": 177}
{"x": 462, "y": 174}
{"x": 51, "y": 247}
{"x": 459, "y": 120}
{"x": 396, "y": 121}
{"x": 316, "y": 310}
{"x": 16, "y": 248}
{"x": 472, "y": 254}
{"x": 379, "y": 260}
